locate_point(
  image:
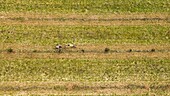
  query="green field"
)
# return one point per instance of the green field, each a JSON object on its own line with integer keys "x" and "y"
{"x": 82, "y": 69}
{"x": 49, "y": 35}
{"x": 122, "y": 47}
{"x": 85, "y": 6}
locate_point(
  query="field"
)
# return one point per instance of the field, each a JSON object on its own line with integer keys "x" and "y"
{"x": 122, "y": 47}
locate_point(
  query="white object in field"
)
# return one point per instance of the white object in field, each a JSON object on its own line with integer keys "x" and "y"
{"x": 58, "y": 46}
{"x": 71, "y": 45}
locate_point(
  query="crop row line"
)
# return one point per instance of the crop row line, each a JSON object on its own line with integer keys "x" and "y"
{"x": 160, "y": 81}
{"x": 84, "y": 51}
{"x": 82, "y": 87}
{"x": 139, "y": 74}
{"x": 85, "y": 19}
{"x": 83, "y": 4}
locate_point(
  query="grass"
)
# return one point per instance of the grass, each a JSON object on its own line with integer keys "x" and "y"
{"x": 85, "y": 70}
{"x": 85, "y": 7}
{"x": 85, "y": 76}
{"x": 49, "y": 35}
{"x": 77, "y": 88}
{"x": 134, "y": 34}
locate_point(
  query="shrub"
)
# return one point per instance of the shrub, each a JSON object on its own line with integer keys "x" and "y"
{"x": 152, "y": 50}
{"x": 9, "y": 50}
{"x": 34, "y": 51}
{"x": 82, "y": 50}
{"x": 106, "y": 50}
{"x": 130, "y": 50}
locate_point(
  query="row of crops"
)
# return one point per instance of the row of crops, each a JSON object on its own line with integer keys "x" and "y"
{"x": 82, "y": 69}
{"x": 85, "y": 6}
{"x": 50, "y": 35}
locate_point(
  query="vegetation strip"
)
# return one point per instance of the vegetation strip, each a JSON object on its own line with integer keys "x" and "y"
{"x": 85, "y": 7}
{"x": 78, "y": 19}
{"x": 77, "y": 88}
{"x": 85, "y": 51}
{"x": 73, "y": 86}
{"x": 121, "y": 47}
{"x": 81, "y": 34}
{"x": 134, "y": 69}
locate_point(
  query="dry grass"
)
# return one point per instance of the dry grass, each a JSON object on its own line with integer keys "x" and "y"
{"x": 86, "y": 16}
{"x": 77, "y": 88}
{"x": 155, "y": 55}
{"x": 118, "y": 51}
{"x": 97, "y": 47}
{"x": 94, "y": 23}
{"x": 80, "y": 19}
{"x": 91, "y": 51}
